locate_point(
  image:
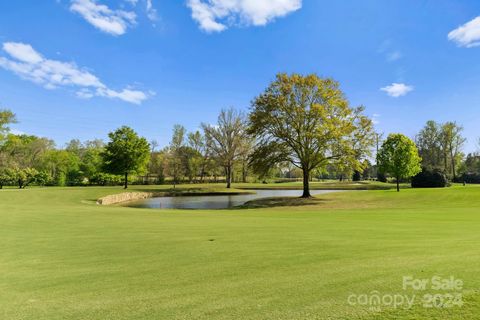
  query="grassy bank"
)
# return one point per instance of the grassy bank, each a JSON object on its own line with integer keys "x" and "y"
{"x": 63, "y": 257}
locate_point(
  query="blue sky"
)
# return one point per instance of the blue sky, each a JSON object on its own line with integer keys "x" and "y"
{"x": 81, "y": 68}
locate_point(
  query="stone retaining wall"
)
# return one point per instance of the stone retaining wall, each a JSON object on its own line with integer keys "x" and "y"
{"x": 124, "y": 197}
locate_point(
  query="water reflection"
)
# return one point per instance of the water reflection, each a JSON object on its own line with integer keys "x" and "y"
{"x": 215, "y": 202}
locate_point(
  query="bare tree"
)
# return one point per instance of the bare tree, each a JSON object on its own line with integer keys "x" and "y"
{"x": 225, "y": 140}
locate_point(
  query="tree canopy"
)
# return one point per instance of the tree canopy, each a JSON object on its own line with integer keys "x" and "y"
{"x": 226, "y": 140}
{"x": 7, "y": 117}
{"x": 126, "y": 153}
{"x": 399, "y": 157}
{"x": 440, "y": 146}
{"x": 307, "y": 121}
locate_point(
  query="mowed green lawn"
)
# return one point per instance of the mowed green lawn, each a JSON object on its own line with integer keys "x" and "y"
{"x": 63, "y": 257}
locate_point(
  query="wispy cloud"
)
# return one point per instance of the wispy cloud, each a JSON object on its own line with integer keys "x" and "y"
{"x": 387, "y": 48}
{"x": 218, "y": 15}
{"x": 397, "y": 89}
{"x": 151, "y": 11}
{"x": 467, "y": 35}
{"x": 114, "y": 22}
{"x": 30, "y": 65}
{"x": 394, "y": 56}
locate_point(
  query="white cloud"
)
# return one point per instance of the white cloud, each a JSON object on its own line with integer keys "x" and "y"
{"x": 467, "y": 35}
{"x": 22, "y": 52}
{"x": 30, "y": 65}
{"x": 397, "y": 89}
{"x": 132, "y": 96}
{"x": 151, "y": 11}
{"x": 114, "y": 22}
{"x": 217, "y": 15}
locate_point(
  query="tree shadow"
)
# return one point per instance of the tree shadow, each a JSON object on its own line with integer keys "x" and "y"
{"x": 281, "y": 202}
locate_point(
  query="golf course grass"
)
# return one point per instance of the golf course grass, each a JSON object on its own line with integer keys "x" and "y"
{"x": 64, "y": 257}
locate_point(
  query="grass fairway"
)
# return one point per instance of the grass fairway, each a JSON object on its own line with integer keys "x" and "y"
{"x": 63, "y": 257}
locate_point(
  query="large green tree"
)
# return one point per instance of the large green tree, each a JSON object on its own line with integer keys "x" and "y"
{"x": 307, "y": 121}
{"x": 399, "y": 157}
{"x": 126, "y": 153}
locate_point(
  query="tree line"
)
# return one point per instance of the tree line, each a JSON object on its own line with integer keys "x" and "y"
{"x": 299, "y": 127}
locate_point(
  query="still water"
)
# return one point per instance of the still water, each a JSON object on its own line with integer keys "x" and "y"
{"x": 215, "y": 202}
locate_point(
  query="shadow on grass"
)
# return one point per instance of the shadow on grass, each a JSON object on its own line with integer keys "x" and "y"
{"x": 281, "y": 202}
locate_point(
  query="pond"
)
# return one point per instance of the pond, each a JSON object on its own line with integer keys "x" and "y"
{"x": 215, "y": 201}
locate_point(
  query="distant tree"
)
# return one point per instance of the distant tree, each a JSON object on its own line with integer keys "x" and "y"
{"x": 471, "y": 163}
{"x": 175, "y": 166}
{"x": 62, "y": 165}
{"x": 198, "y": 157}
{"x": 7, "y": 176}
{"x": 307, "y": 121}
{"x": 24, "y": 151}
{"x": 246, "y": 152}
{"x": 25, "y": 176}
{"x": 158, "y": 164}
{"x": 429, "y": 144}
{"x": 452, "y": 142}
{"x": 7, "y": 117}
{"x": 154, "y": 145}
{"x": 125, "y": 153}
{"x": 226, "y": 139}
{"x": 91, "y": 158}
{"x": 399, "y": 157}
{"x": 201, "y": 144}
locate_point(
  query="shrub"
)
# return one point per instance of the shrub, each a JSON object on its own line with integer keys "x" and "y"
{"x": 429, "y": 179}
{"x": 357, "y": 176}
{"x": 470, "y": 178}
{"x": 381, "y": 177}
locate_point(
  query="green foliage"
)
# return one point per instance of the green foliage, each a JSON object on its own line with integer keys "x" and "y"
{"x": 399, "y": 157}
{"x": 307, "y": 121}
{"x": 7, "y": 176}
{"x": 7, "y": 117}
{"x": 126, "y": 153}
{"x": 175, "y": 167}
{"x": 440, "y": 146}
{"x": 107, "y": 179}
{"x": 429, "y": 179}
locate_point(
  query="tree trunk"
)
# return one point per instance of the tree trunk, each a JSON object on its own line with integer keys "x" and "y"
{"x": 244, "y": 173}
{"x": 398, "y": 184}
{"x": 228, "y": 171}
{"x": 453, "y": 167}
{"x": 126, "y": 181}
{"x": 446, "y": 161}
{"x": 306, "y": 184}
